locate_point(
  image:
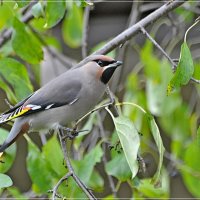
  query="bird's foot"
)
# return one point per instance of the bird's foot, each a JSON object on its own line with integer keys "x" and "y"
{"x": 71, "y": 133}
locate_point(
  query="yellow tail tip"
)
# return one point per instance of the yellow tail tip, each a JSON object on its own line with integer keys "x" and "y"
{"x": 1, "y": 154}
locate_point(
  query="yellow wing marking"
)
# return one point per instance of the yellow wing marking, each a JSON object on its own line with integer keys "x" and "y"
{"x": 17, "y": 113}
{"x": 24, "y": 110}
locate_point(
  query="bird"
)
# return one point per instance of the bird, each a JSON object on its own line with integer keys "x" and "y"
{"x": 61, "y": 101}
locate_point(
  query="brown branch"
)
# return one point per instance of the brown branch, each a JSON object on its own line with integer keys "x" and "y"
{"x": 71, "y": 172}
{"x": 130, "y": 32}
{"x": 85, "y": 31}
{"x": 159, "y": 47}
{"x": 55, "y": 189}
{"x": 133, "y": 30}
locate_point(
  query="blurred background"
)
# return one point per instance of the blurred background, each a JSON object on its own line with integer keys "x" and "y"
{"x": 65, "y": 39}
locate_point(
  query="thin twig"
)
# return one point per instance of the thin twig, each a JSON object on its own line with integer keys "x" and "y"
{"x": 112, "y": 102}
{"x": 159, "y": 47}
{"x": 85, "y": 31}
{"x": 174, "y": 65}
{"x": 55, "y": 189}
{"x": 110, "y": 179}
{"x": 195, "y": 80}
{"x": 8, "y": 103}
{"x": 84, "y": 188}
{"x": 130, "y": 32}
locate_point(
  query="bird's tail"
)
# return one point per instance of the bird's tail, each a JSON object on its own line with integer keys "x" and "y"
{"x": 19, "y": 128}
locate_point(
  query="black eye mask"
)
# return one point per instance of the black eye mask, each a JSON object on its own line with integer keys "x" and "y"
{"x": 102, "y": 63}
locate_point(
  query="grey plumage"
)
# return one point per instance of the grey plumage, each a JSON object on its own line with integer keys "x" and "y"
{"x": 62, "y": 100}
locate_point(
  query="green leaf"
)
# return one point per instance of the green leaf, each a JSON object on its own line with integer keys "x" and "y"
{"x": 8, "y": 156}
{"x": 109, "y": 197}
{"x": 158, "y": 140}
{"x": 158, "y": 102}
{"x": 37, "y": 10}
{"x": 129, "y": 139}
{"x": 156, "y": 135}
{"x": 83, "y": 3}
{"x": 84, "y": 167}
{"x": 25, "y": 44}
{"x": 72, "y": 27}
{"x": 5, "y": 14}
{"x": 38, "y": 169}
{"x": 6, "y": 49}
{"x": 151, "y": 63}
{"x": 184, "y": 71}
{"x": 22, "y": 3}
{"x": 54, "y": 156}
{"x": 191, "y": 159}
{"x": 96, "y": 182}
{"x": 148, "y": 190}
{"x": 16, "y": 193}
{"x": 16, "y": 75}
{"x": 119, "y": 168}
{"x": 5, "y": 181}
{"x": 198, "y": 136}
{"x": 187, "y": 15}
{"x": 10, "y": 94}
{"x": 55, "y": 11}
{"x": 196, "y": 70}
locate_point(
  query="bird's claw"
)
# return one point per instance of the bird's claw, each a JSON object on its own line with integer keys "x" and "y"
{"x": 71, "y": 133}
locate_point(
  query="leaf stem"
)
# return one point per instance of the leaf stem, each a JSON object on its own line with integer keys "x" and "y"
{"x": 131, "y": 104}
{"x": 195, "y": 23}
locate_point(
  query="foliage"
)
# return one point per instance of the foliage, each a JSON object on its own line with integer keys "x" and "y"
{"x": 153, "y": 106}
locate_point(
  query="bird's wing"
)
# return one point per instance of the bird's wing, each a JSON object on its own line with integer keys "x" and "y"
{"x": 52, "y": 95}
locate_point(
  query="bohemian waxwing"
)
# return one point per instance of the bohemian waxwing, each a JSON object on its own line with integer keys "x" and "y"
{"x": 61, "y": 101}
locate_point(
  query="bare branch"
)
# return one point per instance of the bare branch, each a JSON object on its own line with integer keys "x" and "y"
{"x": 159, "y": 47}
{"x": 55, "y": 189}
{"x": 133, "y": 30}
{"x": 84, "y": 188}
{"x": 85, "y": 31}
{"x": 8, "y": 103}
{"x": 130, "y": 32}
{"x": 174, "y": 64}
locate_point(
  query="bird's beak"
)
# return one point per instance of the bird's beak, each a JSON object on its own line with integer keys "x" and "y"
{"x": 115, "y": 64}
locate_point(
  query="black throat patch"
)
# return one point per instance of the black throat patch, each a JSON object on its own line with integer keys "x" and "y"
{"x": 107, "y": 74}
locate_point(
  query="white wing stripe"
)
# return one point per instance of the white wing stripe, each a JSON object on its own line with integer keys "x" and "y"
{"x": 33, "y": 107}
{"x": 49, "y": 106}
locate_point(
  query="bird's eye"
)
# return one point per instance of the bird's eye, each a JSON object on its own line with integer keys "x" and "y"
{"x": 100, "y": 63}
